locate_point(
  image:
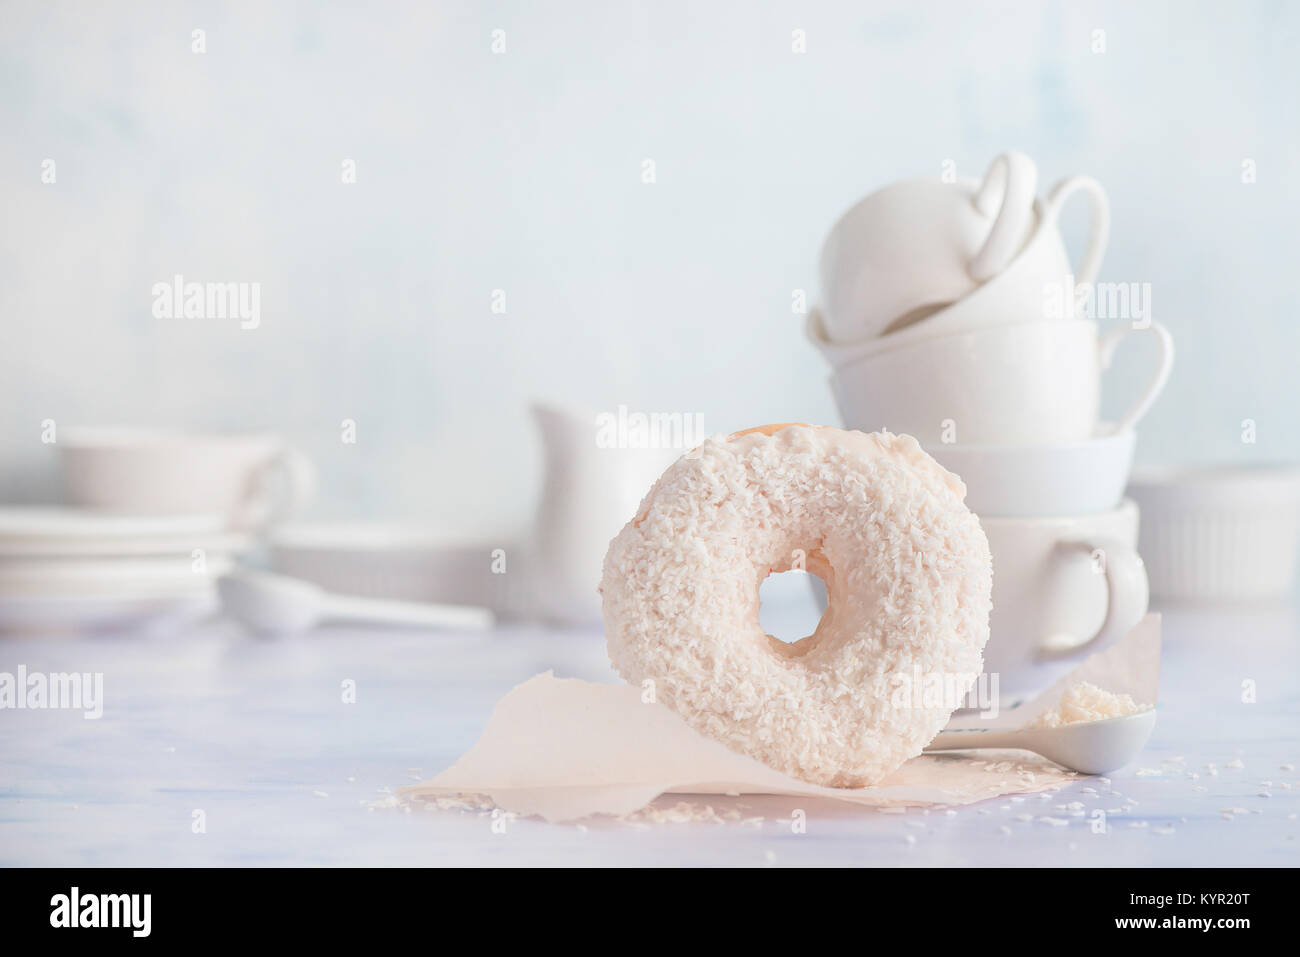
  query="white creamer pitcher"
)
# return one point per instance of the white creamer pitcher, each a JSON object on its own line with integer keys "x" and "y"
{"x": 589, "y": 492}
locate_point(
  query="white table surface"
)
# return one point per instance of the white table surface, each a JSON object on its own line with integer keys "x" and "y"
{"x": 255, "y": 734}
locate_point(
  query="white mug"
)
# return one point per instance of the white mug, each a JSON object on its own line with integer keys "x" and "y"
{"x": 252, "y": 479}
{"x": 1018, "y": 293}
{"x": 918, "y": 245}
{"x": 1063, "y": 588}
{"x": 1022, "y": 384}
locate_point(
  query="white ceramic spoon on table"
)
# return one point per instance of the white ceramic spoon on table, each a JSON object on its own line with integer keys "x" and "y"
{"x": 1092, "y": 747}
{"x": 276, "y": 605}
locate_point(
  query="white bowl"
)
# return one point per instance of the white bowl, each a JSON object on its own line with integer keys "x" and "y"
{"x": 390, "y": 561}
{"x": 1017, "y": 481}
{"x": 1219, "y": 534}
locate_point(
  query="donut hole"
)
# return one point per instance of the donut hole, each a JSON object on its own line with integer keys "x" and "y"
{"x": 791, "y": 605}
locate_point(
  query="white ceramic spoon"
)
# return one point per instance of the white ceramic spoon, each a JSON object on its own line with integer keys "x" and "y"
{"x": 1092, "y": 747}
{"x": 275, "y": 604}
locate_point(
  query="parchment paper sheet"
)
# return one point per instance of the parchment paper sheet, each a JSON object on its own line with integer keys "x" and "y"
{"x": 564, "y": 749}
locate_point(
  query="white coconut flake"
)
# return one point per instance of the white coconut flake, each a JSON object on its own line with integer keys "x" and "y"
{"x": 1083, "y": 702}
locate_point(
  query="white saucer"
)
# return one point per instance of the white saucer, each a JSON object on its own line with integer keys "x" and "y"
{"x": 79, "y": 615}
{"x": 78, "y": 578}
{"x": 50, "y": 523}
{"x": 55, "y": 547}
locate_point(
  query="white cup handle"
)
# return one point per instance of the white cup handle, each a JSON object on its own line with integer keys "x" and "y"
{"x": 1128, "y": 597}
{"x": 1164, "y": 364}
{"x": 259, "y": 509}
{"x": 1099, "y": 234}
{"x": 1007, "y": 191}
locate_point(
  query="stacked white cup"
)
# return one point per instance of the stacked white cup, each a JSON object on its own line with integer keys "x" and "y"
{"x": 936, "y": 323}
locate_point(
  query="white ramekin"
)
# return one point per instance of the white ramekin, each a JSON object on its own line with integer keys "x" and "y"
{"x": 392, "y": 562}
{"x": 1219, "y": 534}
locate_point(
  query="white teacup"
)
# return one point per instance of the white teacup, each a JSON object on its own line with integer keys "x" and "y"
{"x": 252, "y": 479}
{"x": 1073, "y": 478}
{"x": 1019, "y": 293}
{"x": 1023, "y": 384}
{"x": 1063, "y": 588}
{"x": 915, "y": 246}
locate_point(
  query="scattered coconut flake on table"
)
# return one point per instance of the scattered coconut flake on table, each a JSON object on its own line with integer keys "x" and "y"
{"x": 563, "y": 749}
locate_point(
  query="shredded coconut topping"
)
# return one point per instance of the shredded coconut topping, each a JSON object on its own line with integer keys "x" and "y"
{"x": 908, "y": 577}
{"x": 1086, "y": 702}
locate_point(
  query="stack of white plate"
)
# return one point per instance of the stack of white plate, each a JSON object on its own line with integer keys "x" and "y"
{"x": 82, "y": 570}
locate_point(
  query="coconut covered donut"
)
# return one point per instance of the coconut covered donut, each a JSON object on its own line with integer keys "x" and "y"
{"x": 908, "y": 577}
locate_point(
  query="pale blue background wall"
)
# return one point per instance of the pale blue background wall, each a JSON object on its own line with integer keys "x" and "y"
{"x": 522, "y": 172}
